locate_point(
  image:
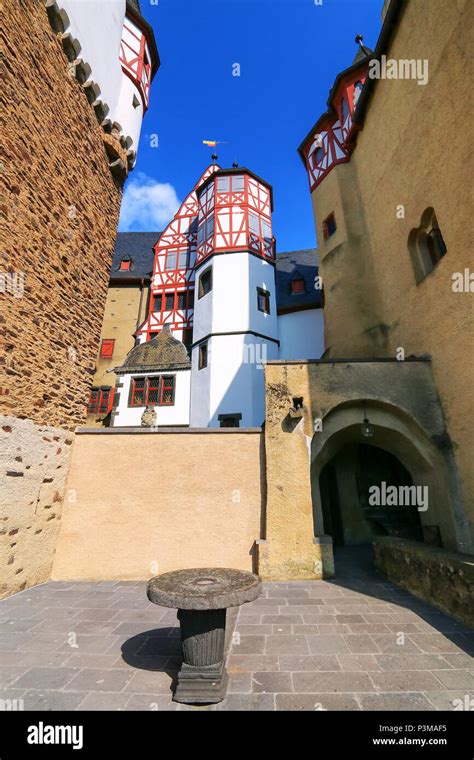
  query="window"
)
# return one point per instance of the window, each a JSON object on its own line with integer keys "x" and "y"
{"x": 235, "y": 184}
{"x": 188, "y": 338}
{"x": 152, "y": 391}
{"x": 202, "y": 356}
{"x": 170, "y": 260}
{"x": 190, "y": 299}
{"x": 230, "y": 420}
{"x": 100, "y": 400}
{"x": 157, "y": 300}
{"x": 263, "y": 300}
{"x": 135, "y": 102}
{"x": 167, "y": 390}
{"x": 93, "y": 404}
{"x": 318, "y": 156}
{"x": 137, "y": 397}
{"x": 223, "y": 184}
{"x": 107, "y": 348}
{"x": 125, "y": 265}
{"x": 206, "y": 229}
{"x": 181, "y": 300}
{"x": 169, "y": 302}
{"x": 104, "y": 400}
{"x": 205, "y": 283}
{"x": 329, "y": 226}
{"x": 426, "y": 245}
{"x": 183, "y": 260}
{"x": 357, "y": 90}
{"x": 344, "y": 109}
{"x": 153, "y": 335}
{"x": 297, "y": 285}
{"x": 253, "y": 223}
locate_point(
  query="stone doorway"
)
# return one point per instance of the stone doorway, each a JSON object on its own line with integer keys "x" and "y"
{"x": 350, "y": 517}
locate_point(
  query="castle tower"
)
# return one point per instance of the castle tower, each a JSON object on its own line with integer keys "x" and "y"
{"x": 235, "y": 319}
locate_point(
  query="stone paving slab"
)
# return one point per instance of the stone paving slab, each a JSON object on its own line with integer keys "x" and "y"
{"x": 353, "y": 643}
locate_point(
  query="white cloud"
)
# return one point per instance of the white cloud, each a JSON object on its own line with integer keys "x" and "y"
{"x": 147, "y": 205}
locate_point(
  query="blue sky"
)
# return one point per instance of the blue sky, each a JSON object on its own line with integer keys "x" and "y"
{"x": 289, "y": 53}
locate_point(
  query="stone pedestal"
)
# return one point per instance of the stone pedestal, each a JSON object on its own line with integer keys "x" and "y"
{"x": 202, "y": 597}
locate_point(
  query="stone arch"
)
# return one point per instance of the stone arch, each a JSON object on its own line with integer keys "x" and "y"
{"x": 398, "y": 433}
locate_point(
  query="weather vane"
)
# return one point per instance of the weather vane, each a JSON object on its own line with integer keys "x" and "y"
{"x": 213, "y": 143}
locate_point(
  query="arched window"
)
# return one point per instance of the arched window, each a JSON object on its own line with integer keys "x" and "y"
{"x": 426, "y": 245}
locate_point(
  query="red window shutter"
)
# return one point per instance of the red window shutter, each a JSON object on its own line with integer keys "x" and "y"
{"x": 125, "y": 266}
{"x": 107, "y": 348}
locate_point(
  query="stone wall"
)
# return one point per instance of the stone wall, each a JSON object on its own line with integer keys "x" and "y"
{"x": 412, "y": 154}
{"x": 440, "y": 578}
{"x": 175, "y": 499}
{"x": 59, "y": 209}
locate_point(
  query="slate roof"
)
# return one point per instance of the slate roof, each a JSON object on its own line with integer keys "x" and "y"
{"x": 291, "y": 265}
{"x": 137, "y": 246}
{"x": 162, "y": 353}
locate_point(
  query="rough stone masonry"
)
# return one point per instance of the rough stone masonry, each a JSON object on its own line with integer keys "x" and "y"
{"x": 59, "y": 209}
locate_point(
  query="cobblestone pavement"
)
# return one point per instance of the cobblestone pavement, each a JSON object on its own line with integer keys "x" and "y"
{"x": 353, "y": 643}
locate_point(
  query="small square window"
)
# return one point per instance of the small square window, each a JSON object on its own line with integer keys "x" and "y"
{"x": 202, "y": 356}
{"x": 297, "y": 285}
{"x": 263, "y": 300}
{"x": 152, "y": 335}
{"x": 107, "y": 348}
{"x": 329, "y": 226}
{"x": 125, "y": 265}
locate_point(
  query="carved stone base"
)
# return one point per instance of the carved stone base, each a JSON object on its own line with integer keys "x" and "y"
{"x": 201, "y": 685}
{"x": 202, "y": 678}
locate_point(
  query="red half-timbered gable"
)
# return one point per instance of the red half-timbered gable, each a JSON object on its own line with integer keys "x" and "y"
{"x": 172, "y": 288}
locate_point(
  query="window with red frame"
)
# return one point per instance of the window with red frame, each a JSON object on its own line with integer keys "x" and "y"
{"x": 107, "y": 348}
{"x": 152, "y": 391}
{"x": 157, "y": 302}
{"x": 297, "y": 285}
{"x": 329, "y": 226}
{"x": 167, "y": 390}
{"x": 100, "y": 400}
{"x": 125, "y": 265}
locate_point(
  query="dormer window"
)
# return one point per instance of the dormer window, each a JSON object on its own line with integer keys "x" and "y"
{"x": 297, "y": 285}
{"x": 125, "y": 265}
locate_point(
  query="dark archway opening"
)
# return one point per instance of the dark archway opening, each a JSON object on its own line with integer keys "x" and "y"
{"x": 353, "y": 487}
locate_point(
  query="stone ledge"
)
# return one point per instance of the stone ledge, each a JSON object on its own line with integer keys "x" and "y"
{"x": 151, "y": 430}
{"x": 443, "y": 578}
